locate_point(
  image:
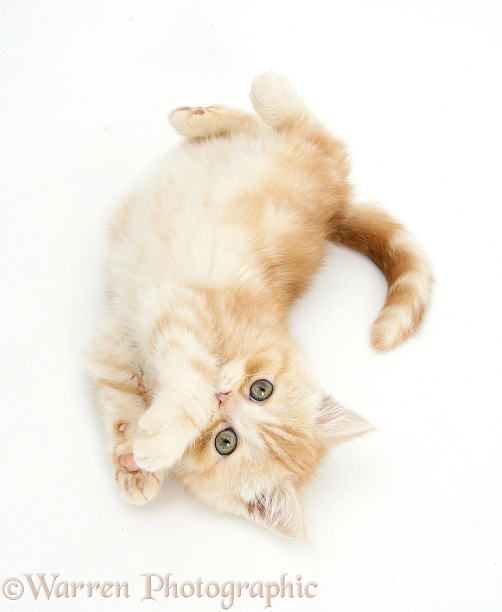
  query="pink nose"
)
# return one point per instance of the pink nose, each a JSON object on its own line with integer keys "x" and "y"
{"x": 222, "y": 397}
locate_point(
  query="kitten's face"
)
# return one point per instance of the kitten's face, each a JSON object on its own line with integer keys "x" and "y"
{"x": 265, "y": 441}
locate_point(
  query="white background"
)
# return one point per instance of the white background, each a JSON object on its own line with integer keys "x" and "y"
{"x": 406, "y": 519}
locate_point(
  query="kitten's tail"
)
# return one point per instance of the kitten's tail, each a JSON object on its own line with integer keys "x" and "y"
{"x": 373, "y": 232}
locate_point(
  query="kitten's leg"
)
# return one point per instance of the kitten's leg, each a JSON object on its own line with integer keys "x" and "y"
{"x": 277, "y": 102}
{"x": 180, "y": 350}
{"x": 212, "y": 121}
{"x": 121, "y": 396}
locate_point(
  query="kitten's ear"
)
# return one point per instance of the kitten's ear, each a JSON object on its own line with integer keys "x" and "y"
{"x": 279, "y": 509}
{"x": 337, "y": 423}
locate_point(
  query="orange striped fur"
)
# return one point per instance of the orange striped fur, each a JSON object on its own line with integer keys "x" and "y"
{"x": 205, "y": 258}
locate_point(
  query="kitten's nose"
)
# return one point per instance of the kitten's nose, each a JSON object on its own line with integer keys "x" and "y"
{"x": 222, "y": 397}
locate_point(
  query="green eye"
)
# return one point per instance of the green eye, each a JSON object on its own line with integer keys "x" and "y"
{"x": 226, "y": 442}
{"x": 261, "y": 390}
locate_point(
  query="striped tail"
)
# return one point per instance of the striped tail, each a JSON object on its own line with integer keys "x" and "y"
{"x": 373, "y": 232}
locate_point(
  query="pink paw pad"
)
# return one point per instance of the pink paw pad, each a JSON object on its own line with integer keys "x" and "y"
{"x": 199, "y": 111}
{"x": 128, "y": 462}
{"x": 122, "y": 427}
{"x": 140, "y": 483}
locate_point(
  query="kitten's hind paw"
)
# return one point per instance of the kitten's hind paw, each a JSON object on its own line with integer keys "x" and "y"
{"x": 276, "y": 101}
{"x": 187, "y": 112}
{"x": 194, "y": 121}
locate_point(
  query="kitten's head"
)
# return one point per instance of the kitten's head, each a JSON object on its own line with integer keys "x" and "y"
{"x": 266, "y": 439}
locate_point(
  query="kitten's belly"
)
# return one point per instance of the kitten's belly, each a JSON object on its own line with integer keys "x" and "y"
{"x": 205, "y": 247}
{"x": 191, "y": 225}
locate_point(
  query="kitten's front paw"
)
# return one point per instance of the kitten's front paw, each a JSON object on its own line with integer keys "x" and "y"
{"x": 159, "y": 445}
{"x": 135, "y": 485}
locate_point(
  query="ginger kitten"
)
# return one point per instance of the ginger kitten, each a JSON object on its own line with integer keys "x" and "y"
{"x": 195, "y": 370}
